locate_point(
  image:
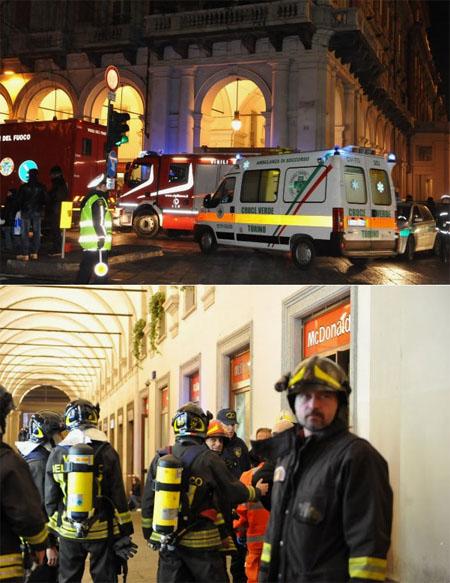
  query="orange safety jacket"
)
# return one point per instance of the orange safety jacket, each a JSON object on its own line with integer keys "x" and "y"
{"x": 252, "y": 523}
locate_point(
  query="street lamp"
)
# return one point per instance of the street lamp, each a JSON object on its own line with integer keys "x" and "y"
{"x": 236, "y": 122}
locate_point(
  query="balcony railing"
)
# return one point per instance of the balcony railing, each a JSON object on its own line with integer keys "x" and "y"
{"x": 107, "y": 35}
{"x": 38, "y": 42}
{"x": 250, "y": 16}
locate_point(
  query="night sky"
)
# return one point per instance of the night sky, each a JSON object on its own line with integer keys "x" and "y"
{"x": 439, "y": 34}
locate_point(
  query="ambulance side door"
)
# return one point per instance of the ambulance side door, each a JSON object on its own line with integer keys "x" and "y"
{"x": 357, "y": 206}
{"x": 382, "y": 208}
{"x": 224, "y": 207}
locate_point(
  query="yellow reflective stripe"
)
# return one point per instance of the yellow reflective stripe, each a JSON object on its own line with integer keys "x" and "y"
{"x": 252, "y": 219}
{"x": 297, "y": 377}
{"x": 38, "y": 538}
{"x": 10, "y": 572}
{"x": 219, "y": 519}
{"x": 323, "y": 376}
{"x": 252, "y": 493}
{"x": 288, "y": 220}
{"x": 12, "y": 559}
{"x": 146, "y": 522}
{"x": 266, "y": 551}
{"x": 367, "y": 568}
{"x": 201, "y": 539}
{"x": 123, "y": 517}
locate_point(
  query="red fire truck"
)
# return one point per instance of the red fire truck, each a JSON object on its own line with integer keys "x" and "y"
{"x": 165, "y": 191}
{"x": 74, "y": 145}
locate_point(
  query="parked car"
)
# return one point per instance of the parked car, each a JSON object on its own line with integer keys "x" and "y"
{"x": 417, "y": 229}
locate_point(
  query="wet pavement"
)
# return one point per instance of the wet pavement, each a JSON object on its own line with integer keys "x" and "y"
{"x": 176, "y": 261}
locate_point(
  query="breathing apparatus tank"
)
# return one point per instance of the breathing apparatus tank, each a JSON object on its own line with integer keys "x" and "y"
{"x": 167, "y": 497}
{"x": 80, "y": 486}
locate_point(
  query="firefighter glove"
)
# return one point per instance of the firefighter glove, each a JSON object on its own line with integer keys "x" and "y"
{"x": 100, "y": 242}
{"x": 124, "y": 548}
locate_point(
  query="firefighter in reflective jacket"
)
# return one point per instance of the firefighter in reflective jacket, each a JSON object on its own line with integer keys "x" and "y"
{"x": 20, "y": 513}
{"x": 95, "y": 235}
{"x": 194, "y": 551}
{"x": 108, "y": 525}
{"x": 331, "y": 500}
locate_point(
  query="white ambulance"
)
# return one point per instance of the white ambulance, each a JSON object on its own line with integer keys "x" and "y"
{"x": 333, "y": 201}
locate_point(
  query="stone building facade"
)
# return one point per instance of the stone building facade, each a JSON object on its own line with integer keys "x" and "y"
{"x": 310, "y": 74}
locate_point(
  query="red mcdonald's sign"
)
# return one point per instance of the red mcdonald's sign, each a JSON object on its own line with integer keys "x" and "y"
{"x": 327, "y": 332}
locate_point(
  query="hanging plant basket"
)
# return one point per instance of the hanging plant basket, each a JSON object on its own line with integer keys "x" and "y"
{"x": 156, "y": 311}
{"x": 139, "y": 339}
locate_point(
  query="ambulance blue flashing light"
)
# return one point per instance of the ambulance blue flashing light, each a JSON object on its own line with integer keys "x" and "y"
{"x": 391, "y": 157}
{"x": 337, "y": 151}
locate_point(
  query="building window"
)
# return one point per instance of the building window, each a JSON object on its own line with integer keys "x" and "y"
{"x": 424, "y": 153}
{"x": 86, "y": 147}
{"x": 190, "y": 299}
{"x": 260, "y": 186}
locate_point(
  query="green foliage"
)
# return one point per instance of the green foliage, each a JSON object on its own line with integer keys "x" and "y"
{"x": 156, "y": 311}
{"x": 139, "y": 339}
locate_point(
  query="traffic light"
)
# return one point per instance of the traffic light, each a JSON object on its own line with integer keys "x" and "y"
{"x": 117, "y": 129}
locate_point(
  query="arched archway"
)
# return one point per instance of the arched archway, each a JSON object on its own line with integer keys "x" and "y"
{"x": 43, "y": 99}
{"x": 5, "y": 105}
{"x": 240, "y": 100}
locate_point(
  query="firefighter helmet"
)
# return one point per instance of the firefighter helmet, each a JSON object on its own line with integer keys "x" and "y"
{"x": 81, "y": 413}
{"x": 191, "y": 420}
{"x": 43, "y": 425}
{"x": 6, "y": 406}
{"x": 318, "y": 371}
{"x": 216, "y": 429}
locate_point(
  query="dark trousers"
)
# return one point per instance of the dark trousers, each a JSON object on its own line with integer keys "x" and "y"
{"x": 44, "y": 574}
{"x": 72, "y": 556}
{"x": 86, "y": 270}
{"x": 188, "y": 566}
{"x": 55, "y": 233}
{"x": 237, "y": 566}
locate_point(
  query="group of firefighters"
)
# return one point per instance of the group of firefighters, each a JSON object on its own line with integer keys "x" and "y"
{"x": 310, "y": 502}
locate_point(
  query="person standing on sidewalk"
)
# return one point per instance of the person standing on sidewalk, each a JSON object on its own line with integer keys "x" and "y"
{"x": 57, "y": 194}
{"x": 8, "y": 216}
{"x": 331, "y": 511}
{"x": 95, "y": 234}
{"x": 30, "y": 202}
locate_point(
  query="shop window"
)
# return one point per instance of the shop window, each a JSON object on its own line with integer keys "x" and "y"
{"x": 194, "y": 387}
{"x": 240, "y": 390}
{"x": 355, "y": 185}
{"x": 260, "y": 186}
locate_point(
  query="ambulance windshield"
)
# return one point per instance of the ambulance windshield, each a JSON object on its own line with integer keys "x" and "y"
{"x": 138, "y": 173}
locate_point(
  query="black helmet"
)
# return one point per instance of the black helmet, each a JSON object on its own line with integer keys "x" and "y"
{"x": 191, "y": 420}
{"x": 81, "y": 413}
{"x": 43, "y": 425}
{"x": 6, "y": 405}
{"x": 315, "y": 370}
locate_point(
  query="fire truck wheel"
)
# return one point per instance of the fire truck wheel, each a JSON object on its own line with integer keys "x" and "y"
{"x": 207, "y": 242}
{"x": 146, "y": 225}
{"x": 410, "y": 249}
{"x": 303, "y": 253}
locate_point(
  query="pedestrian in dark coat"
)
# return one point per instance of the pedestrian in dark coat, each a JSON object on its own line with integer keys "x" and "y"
{"x": 31, "y": 201}
{"x": 57, "y": 194}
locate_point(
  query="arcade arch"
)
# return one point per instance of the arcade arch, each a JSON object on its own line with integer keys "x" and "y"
{"x": 223, "y": 99}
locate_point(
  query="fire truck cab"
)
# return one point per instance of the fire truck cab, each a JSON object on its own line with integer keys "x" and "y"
{"x": 165, "y": 191}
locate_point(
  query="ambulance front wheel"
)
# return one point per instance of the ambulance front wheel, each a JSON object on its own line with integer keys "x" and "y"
{"x": 146, "y": 225}
{"x": 207, "y": 242}
{"x": 303, "y": 253}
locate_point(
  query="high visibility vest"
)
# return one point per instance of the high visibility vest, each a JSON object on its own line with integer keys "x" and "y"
{"x": 88, "y": 237}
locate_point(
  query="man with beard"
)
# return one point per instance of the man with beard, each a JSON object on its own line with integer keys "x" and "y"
{"x": 331, "y": 500}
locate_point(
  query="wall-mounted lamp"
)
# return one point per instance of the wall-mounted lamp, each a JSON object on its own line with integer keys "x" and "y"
{"x": 236, "y": 123}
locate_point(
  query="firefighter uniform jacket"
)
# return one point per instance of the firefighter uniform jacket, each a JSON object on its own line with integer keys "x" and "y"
{"x": 331, "y": 511}
{"x": 21, "y": 514}
{"x": 211, "y": 488}
{"x": 109, "y": 489}
{"x": 235, "y": 455}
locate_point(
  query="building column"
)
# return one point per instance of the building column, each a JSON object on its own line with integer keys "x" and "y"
{"x": 197, "y": 117}
{"x": 350, "y": 135}
{"x": 279, "y": 134}
{"x": 159, "y": 107}
{"x": 186, "y": 111}
{"x": 267, "y": 127}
